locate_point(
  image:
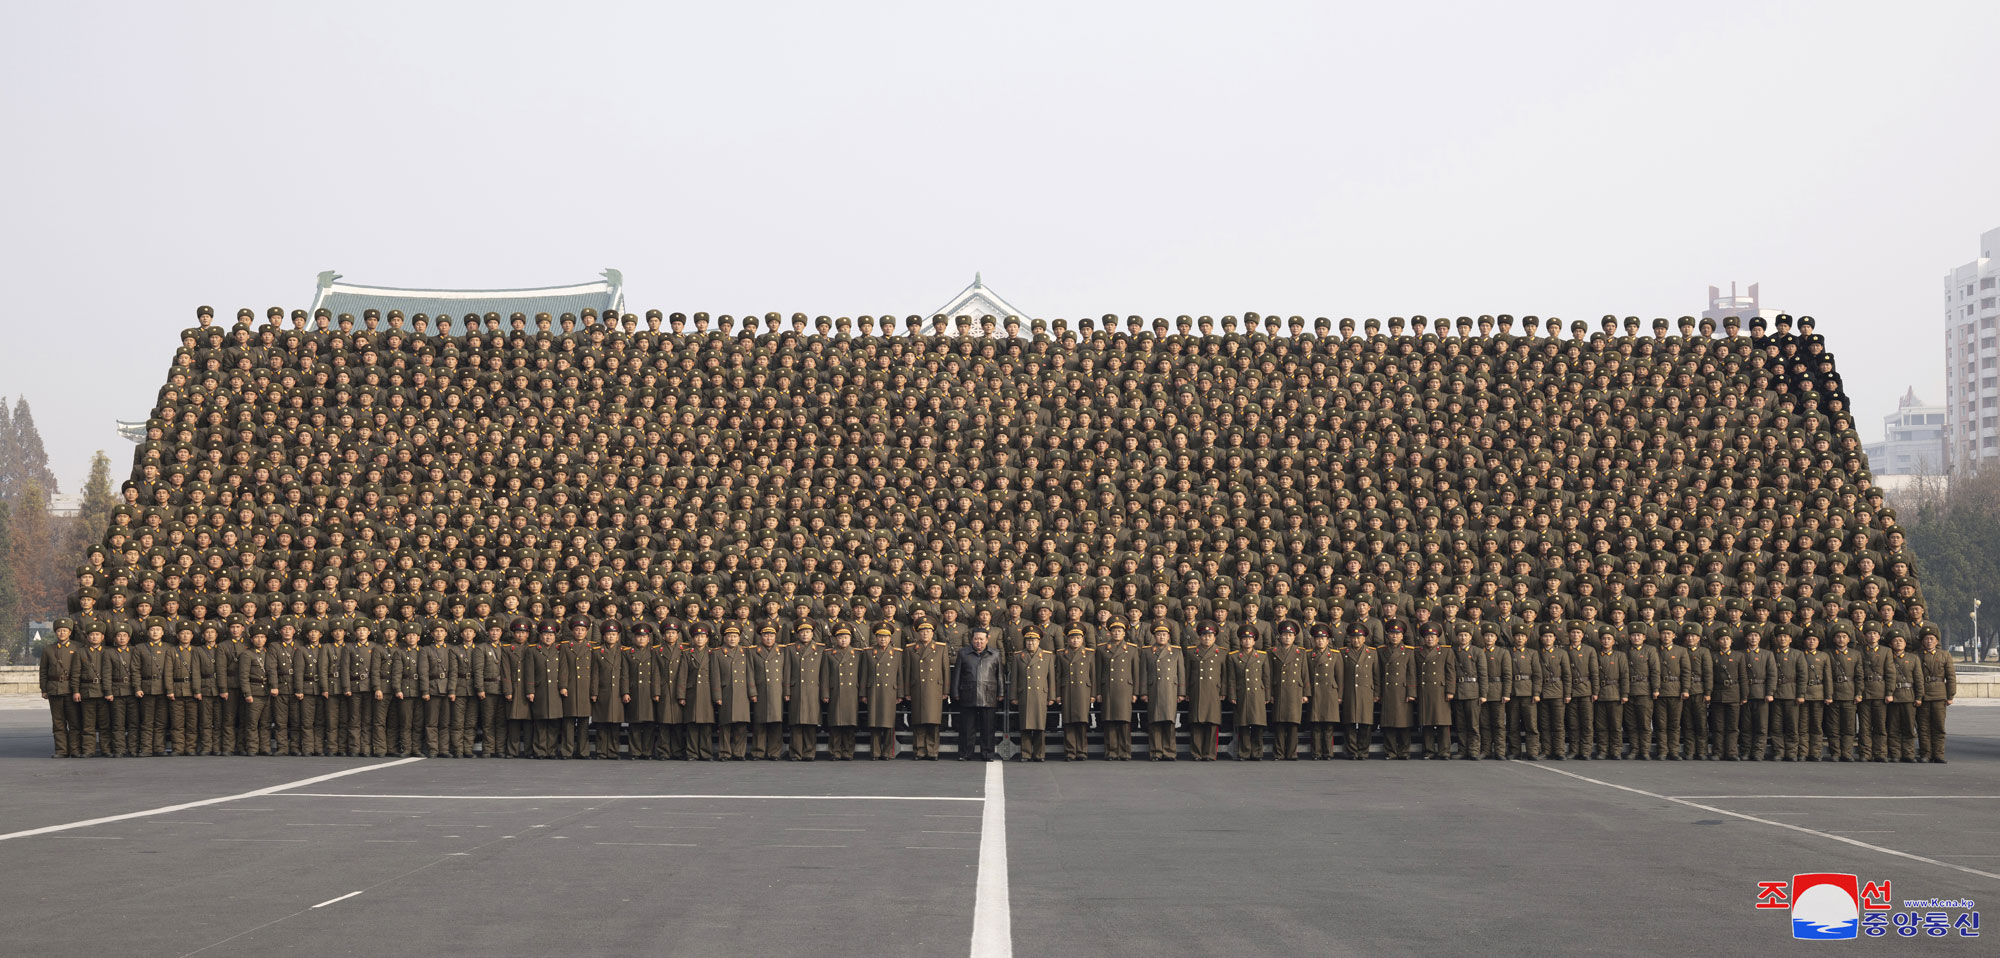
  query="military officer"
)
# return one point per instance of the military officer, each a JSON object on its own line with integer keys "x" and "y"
{"x": 1494, "y": 684}
{"x": 1076, "y": 692}
{"x": 884, "y": 687}
{"x": 1614, "y": 692}
{"x": 1728, "y": 686}
{"x": 1207, "y": 668}
{"x": 1844, "y": 690}
{"x": 1436, "y": 683}
{"x": 610, "y": 689}
{"x": 1118, "y": 684}
{"x": 1523, "y": 699}
{"x": 1326, "y": 667}
{"x": 841, "y": 694}
{"x": 1359, "y": 692}
{"x": 694, "y": 687}
{"x": 1247, "y": 687}
{"x": 642, "y": 676}
{"x": 1398, "y": 688}
{"x": 804, "y": 665}
{"x": 1579, "y": 720}
{"x": 58, "y": 686}
{"x": 734, "y": 690}
{"x": 1031, "y": 689}
{"x": 1788, "y": 679}
{"x": 767, "y": 677}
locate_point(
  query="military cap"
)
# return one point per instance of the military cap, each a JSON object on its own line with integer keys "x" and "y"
{"x": 520, "y": 625}
{"x": 843, "y": 630}
{"x": 275, "y": 312}
{"x": 1162, "y": 627}
{"x": 549, "y": 628}
{"x": 66, "y": 623}
{"x": 611, "y": 626}
{"x": 643, "y": 628}
{"x": 1356, "y": 629}
{"x": 1207, "y": 628}
{"x": 246, "y": 313}
{"x": 204, "y": 311}
{"x": 1288, "y": 626}
{"x": 884, "y": 630}
{"x": 768, "y": 630}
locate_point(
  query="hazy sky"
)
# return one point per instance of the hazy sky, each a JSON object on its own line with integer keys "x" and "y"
{"x": 1155, "y": 158}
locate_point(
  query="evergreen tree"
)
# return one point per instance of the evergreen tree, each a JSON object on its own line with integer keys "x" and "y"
{"x": 13, "y": 625}
{"x": 33, "y": 464}
{"x": 98, "y": 499}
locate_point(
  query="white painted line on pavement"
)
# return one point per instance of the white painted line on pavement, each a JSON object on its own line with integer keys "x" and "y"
{"x": 1861, "y": 798}
{"x": 993, "y": 909}
{"x": 551, "y": 798}
{"x": 341, "y": 898}
{"x": 1761, "y": 821}
{"x": 165, "y": 809}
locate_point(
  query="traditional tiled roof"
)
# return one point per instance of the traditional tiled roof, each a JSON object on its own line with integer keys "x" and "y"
{"x": 353, "y": 299}
{"x": 977, "y": 300}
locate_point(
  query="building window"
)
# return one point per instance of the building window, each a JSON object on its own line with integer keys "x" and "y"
{"x": 1987, "y": 283}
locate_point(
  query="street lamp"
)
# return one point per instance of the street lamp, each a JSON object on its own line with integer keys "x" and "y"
{"x": 1975, "y": 630}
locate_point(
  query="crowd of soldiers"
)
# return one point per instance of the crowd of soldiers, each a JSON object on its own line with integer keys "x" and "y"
{"x": 583, "y": 536}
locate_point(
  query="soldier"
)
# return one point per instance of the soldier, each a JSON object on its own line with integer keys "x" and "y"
{"x": 1642, "y": 683}
{"x": 358, "y": 670}
{"x": 1076, "y": 691}
{"x": 229, "y": 723}
{"x": 1207, "y": 668}
{"x": 308, "y": 690}
{"x": 121, "y": 673}
{"x": 1360, "y": 691}
{"x": 1940, "y": 687}
{"x": 884, "y": 687}
{"x": 1118, "y": 686}
{"x": 575, "y": 691}
{"x": 1552, "y": 695}
{"x": 1579, "y": 719}
{"x": 1031, "y": 689}
{"x": 1818, "y": 691}
{"x": 58, "y": 685}
{"x": 1787, "y": 688}
{"x": 767, "y": 679}
{"x": 1494, "y": 684}
{"x": 610, "y": 690}
{"x": 1876, "y": 661}
{"x": 92, "y": 678}
{"x": 1760, "y": 674}
{"x": 642, "y": 707}
{"x": 1290, "y": 683}
{"x": 976, "y": 689}
{"x": 152, "y": 680}
{"x": 1523, "y": 699}
{"x": 1905, "y": 680}
{"x": 1844, "y": 697}
{"x": 1398, "y": 691}
{"x": 1468, "y": 702}
{"x": 672, "y": 652}
{"x": 406, "y": 682}
{"x": 285, "y": 708}
{"x": 1669, "y": 693}
{"x": 518, "y": 711}
{"x": 1326, "y": 669}
{"x": 928, "y": 686}
{"x": 1436, "y": 683}
{"x": 841, "y": 694}
{"x": 257, "y": 684}
{"x": 1728, "y": 685}
{"x": 334, "y": 694}
{"x": 208, "y": 691}
{"x": 1613, "y": 694}
{"x": 434, "y": 681}
{"x": 1694, "y": 711}
{"x": 489, "y": 669}
{"x": 694, "y": 690}
{"x": 735, "y": 693}
{"x": 804, "y": 696}
{"x": 1247, "y": 687}
{"x": 1162, "y": 689}
{"x": 463, "y": 715}
{"x": 183, "y": 700}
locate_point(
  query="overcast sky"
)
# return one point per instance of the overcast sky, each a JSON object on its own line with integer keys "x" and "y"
{"x": 1155, "y": 158}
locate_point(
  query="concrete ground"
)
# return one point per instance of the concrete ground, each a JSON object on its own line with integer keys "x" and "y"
{"x": 291, "y": 856}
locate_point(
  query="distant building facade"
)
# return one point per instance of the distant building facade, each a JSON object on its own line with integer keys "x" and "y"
{"x": 1745, "y": 306}
{"x": 1913, "y": 440}
{"x": 1972, "y": 359}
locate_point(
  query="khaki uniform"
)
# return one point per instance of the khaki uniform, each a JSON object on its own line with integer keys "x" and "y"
{"x": 803, "y": 669}
{"x": 1940, "y": 686}
{"x": 1327, "y": 670}
{"x": 1118, "y": 685}
{"x": 1247, "y": 683}
{"x": 927, "y": 683}
{"x": 58, "y": 685}
{"x": 1032, "y": 687}
{"x": 1076, "y": 686}
{"x": 1207, "y": 677}
{"x": 884, "y": 683}
{"x": 1360, "y": 689}
{"x": 841, "y": 692}
{"x": 1435, "y": 685}
{"x": 1162, "y": 686}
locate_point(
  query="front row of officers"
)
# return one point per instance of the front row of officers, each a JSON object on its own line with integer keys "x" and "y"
{"x": 611, "y": 690}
